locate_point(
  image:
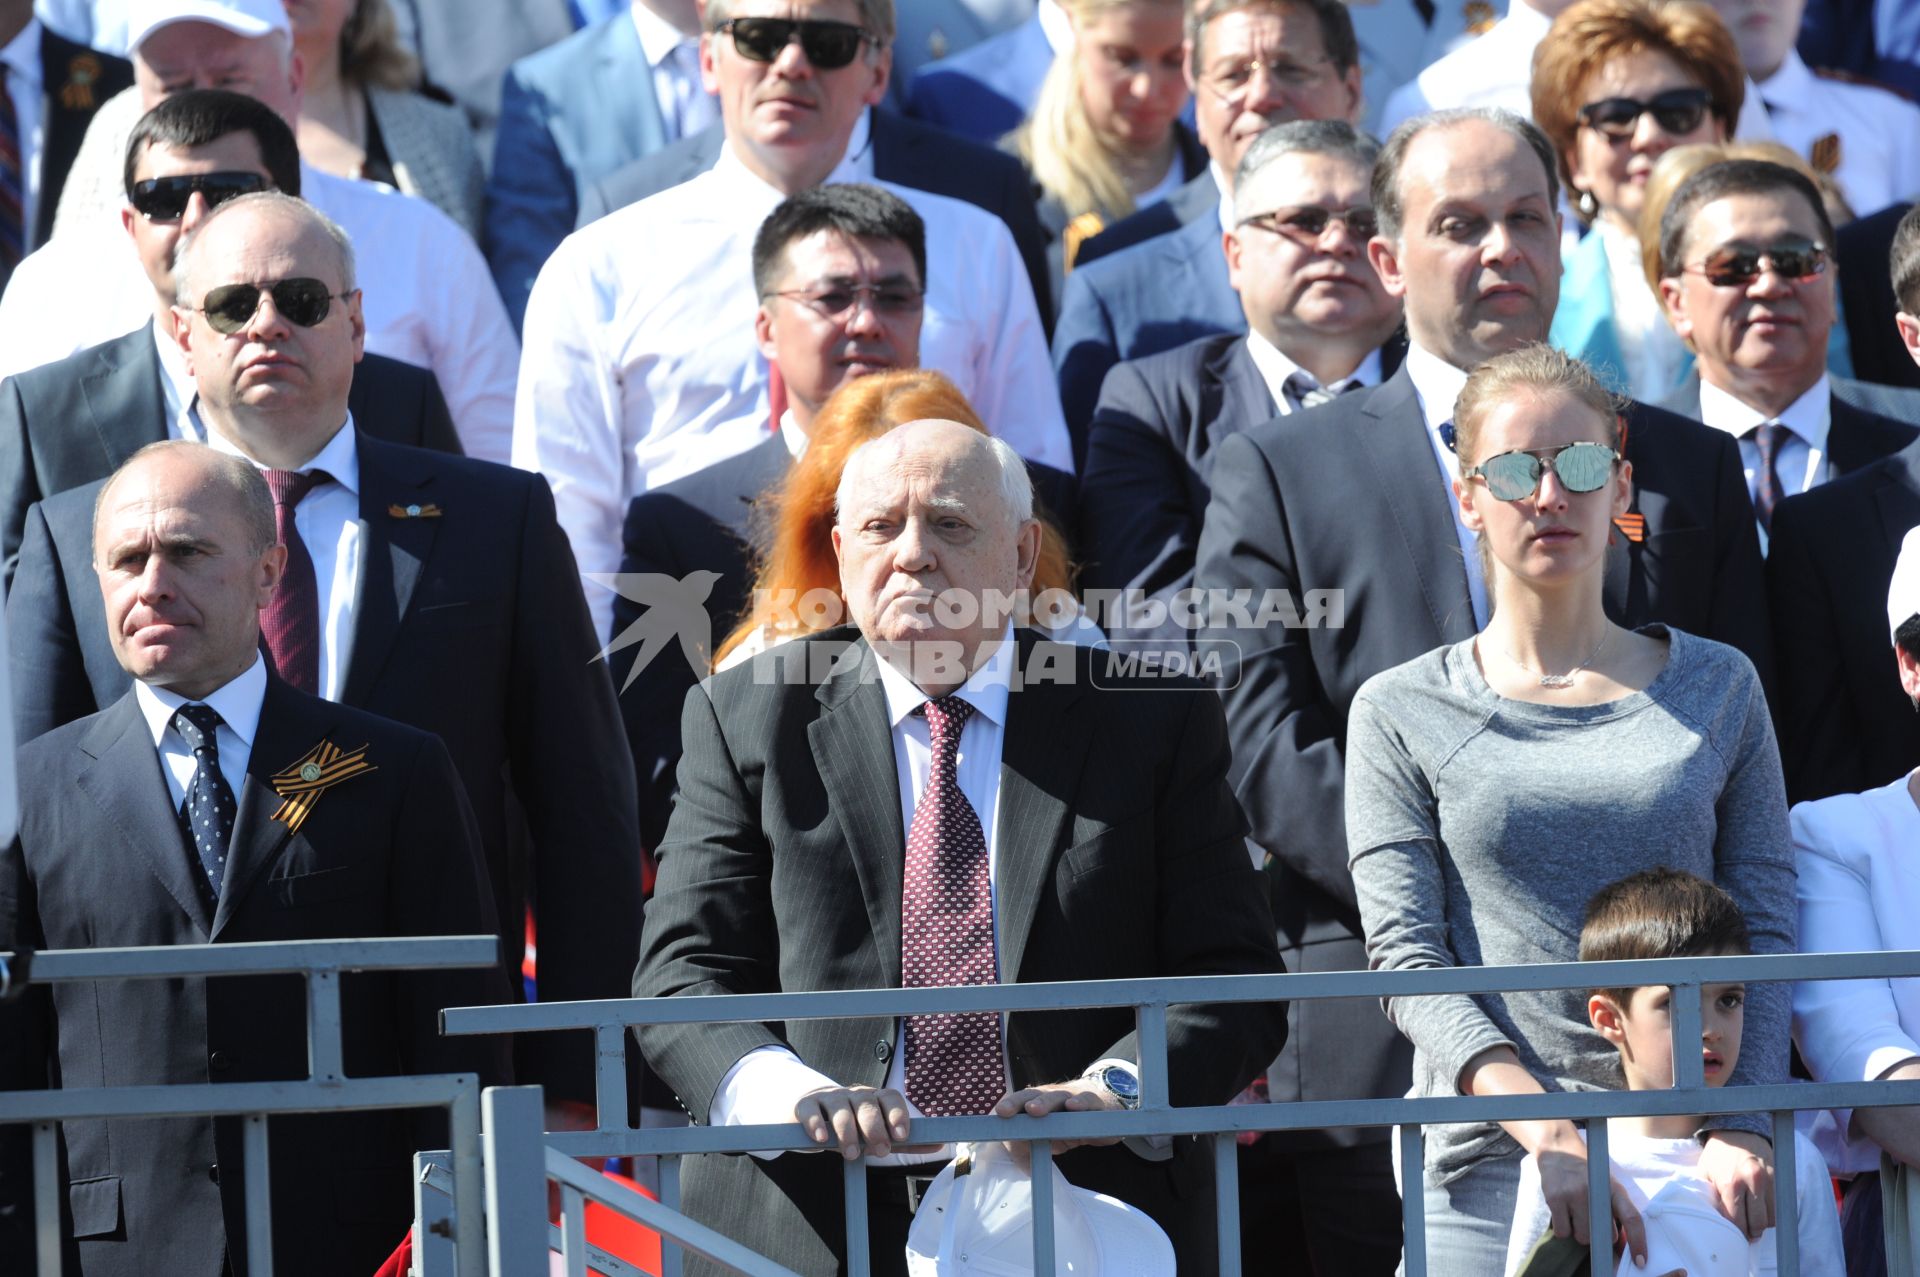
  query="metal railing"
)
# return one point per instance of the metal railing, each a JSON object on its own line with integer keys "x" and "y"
{"x": 518, "y": 1164}
{"x": 327, "y": 1089}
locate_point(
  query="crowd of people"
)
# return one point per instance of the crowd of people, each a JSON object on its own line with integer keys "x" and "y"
{"x": 738, "y": 496}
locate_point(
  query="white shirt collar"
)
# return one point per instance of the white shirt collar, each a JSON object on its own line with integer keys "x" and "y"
{"x": 1523, "y": 19}
{"x": 855, "y": 165}
{"x": 658, "y": 37}
{"x": 340, "y": 458}
{"x": 1791, "y": 86}
{"x": 237, "y": 701}
{"x": 177, "y": 387}
{"x": 1276, "y": 366}
{"x": 22, "y": 54}
{"x": 1809, "y": 416}
{"x": 986, "y": 689}
{"x": 792, "y": 435}
{"x": 1056, "y": 26}
{"x": 1436, "y": 382}
{"x": 1219, "y": 176}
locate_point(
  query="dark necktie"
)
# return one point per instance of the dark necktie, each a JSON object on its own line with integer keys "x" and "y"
{"x": 1308, "y": 393}
{"x": 291, "y": 621}
{"x": 208, "y": 813}
{"x": 1769, "y": 437}
{"x": 954, "y": 1064}
{"x": 13, "y": 186}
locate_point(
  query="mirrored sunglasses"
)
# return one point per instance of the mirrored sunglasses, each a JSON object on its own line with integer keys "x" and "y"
{"x": 1676, "y": 111}
{"x": 1737, "y": 265}
{"x": 1515, "y": 476}
{"x": 164, "y": 199}
{"x": 231, "y": 307}
{"x": 828, "y": 45}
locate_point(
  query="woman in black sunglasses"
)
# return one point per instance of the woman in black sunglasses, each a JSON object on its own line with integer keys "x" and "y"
{"x": 1494, "y": 785}
{"x": 1616, "y": 84}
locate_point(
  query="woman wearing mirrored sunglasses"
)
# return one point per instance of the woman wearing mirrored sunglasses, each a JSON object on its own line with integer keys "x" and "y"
{"x": 1495, "y": 784}
{"x": 1104, "y": 137}
{"x": 1616, "y": 84}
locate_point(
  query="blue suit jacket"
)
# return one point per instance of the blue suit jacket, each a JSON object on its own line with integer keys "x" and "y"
{"x": 986, "y": 91}
{"x": 569, "y": 115}
{"x": 1142, "y": 300}
{"x": 929, "y": 33}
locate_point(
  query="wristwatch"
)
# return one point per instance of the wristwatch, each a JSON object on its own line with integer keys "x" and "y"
{"x": 1119, "y": 1081}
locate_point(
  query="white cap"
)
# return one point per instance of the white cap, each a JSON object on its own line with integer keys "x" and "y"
{"x": 1686, "y": 1230}
{"x": 249, "y": 18}
{"x": 976, "y": 1220}
{"x": 1903, "y": 593}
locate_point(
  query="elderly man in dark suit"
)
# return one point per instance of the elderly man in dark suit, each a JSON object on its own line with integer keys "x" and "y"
{"x": 1745, "y": 251}
{"x": 431, "y": 589}
{"x": 1083, "y": 829}
{"x": 1320, "y": 324}
{"x": 174, "y": 790}
{"x": 1355, "y": 496}
{"x": 72, "y": 421}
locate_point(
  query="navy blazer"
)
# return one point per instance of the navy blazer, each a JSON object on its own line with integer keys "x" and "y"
{"x": 987, "y": 91}
{"x": 1845, "y": 723}
{"x": 74, "y": 80}
{"x": 569, "y": 115}
{"x": 1867, "y": 422}
{"x": 905, "y": 152}
{"x": 470, "y": 624}
{"x": 1867, "y": 300}
{"x": 389, "y": 852}
{"x": 1197, "y": 199}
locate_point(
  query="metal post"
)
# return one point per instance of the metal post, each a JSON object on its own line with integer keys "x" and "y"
{"x": 610, "y": 1077}
{"x": 323, "y": 1026}
{"x": 1042, "y": 1180}
{"x": 1413, "y": 1201}
{"x": 1226, "y": 1188}
{"x": 469, "y": 1180}
{"x": 258, "y": 1196}
{"x": 1152, "y": 1038}
{"x": 1786, "y": 1196}
{"x": 1689, "y": 1071}
{"x": 1600, "y": 1190}
{"x": 46, "y": 1196}
{"x": 433, "y": 1253}
{"x": 573, "y": 1230}
{"x": 516, "y": 1158}
{"x": 670, "y": 1254}
{"x": 859, "y": 1256}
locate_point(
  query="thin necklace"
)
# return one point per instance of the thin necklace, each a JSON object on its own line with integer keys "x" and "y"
{"x": 1558, "y": 681}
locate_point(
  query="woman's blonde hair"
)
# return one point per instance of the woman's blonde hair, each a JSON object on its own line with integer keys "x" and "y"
{"x": 1682, "y": 162}
{"x": 799, "y": 551}
{"x": 1068, "y": 157}
{"x": 371, "y": 52}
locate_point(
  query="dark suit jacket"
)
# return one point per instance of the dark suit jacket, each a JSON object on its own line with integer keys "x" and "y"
{"x": 706, "y": 522}
{"x": 1845, "y": 724}
{"x": 1348, "y": 496}
{"x": 1149, "y": 459}
{"x": 1197, "y": 199}
{"x": 1119, "y": 854}
{"x": 471, "y": 625}
{"x": 985, "y": 91}
{"x": 905, "y": 152}
{"x": 1867, "y": 300}
{"x": 75, "y": 420}
{"x": 1868, "y": 421}
{"x": 75, "y": 80}
{"x": 389, "y": 852}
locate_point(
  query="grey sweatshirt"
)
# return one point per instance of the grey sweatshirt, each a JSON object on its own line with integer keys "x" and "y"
{"x": 1479, "y": 827}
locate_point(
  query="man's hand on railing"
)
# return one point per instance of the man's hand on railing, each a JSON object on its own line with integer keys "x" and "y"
{"x": 1077, "y": 1096}
{"x": 860, "y": 1119}
{"x": 1739, "y": 1165}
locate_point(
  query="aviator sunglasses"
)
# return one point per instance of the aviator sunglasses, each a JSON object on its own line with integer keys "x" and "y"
{"x": 1676, "y": 111}
{"x": 1737, "y": 265}
{"x": 231, "y": 307}
{"x": 1515, "y": 476}
{"x": 828, "y": 45}
{"x": 164, "y": 199}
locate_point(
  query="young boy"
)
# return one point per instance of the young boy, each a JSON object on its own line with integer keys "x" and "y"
{"x": 1664, "y": 913}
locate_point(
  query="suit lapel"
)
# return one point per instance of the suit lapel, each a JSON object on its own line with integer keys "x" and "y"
{"x": 852, "y": 744}
{"x": 1899, "y": 498}
{"x": 123, "y": 395}
{"x": 1400, "y": 461}
{"x": 396, "y": 551}
{"x": 126, "y": 783}
{"x": 1243, "y": 398}
{"x": 283, "y": 736}
{"x": 614, "y": 72}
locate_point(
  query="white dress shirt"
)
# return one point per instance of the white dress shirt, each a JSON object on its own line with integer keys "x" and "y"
{"x": 22, "y": 60}
{"x": 793, "y": 436}
{"x": 685, "y": 105}
{"x": 328, "y": 520}
{"x": 237, "y": 702}
{"x": 1275, "y": 368}
{"x": 177, "y": 389}
{"x": 1801, "y": 461}
{"x": 426, "y": 296}
{"x": 640, "y": 364}
{"x": 1878, "y": 132}
{"x": 1437, "y": 384}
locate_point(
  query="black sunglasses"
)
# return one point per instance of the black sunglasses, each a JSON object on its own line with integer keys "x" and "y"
{"x": 1676, "y": 111}
{"x": 164, "y": 199}
{"x": 1515, "y": 476}
{"x": 828, "y": 45}
{"x": 1737, "y": 265}
{"x": 305, "y": 302}
{"x": 1309, "y": 222}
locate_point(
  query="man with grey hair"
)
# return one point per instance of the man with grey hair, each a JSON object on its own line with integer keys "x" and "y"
{"x": 171, "y": 789}
{"x": 944, "y": 813}
{"x": 436, "y": 590}
{"x": 1355, "y": 495}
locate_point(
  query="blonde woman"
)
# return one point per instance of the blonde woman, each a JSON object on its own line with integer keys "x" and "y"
{"x": 1104, "y": 138}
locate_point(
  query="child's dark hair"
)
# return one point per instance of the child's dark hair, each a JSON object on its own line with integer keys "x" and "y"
{"x": 1660, "y": 913}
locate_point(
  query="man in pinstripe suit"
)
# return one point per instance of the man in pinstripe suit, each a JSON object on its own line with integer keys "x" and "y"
{"x": 1082, "y": 827}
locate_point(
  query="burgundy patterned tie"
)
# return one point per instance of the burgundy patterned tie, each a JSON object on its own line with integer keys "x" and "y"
{"x": 1768, "y": 436}
{"x": 291, "y": 621}
{"x": 954, "y": 1064}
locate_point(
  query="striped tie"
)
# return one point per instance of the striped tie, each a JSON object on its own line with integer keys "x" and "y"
{"x": 13, "y": 187}
{"x": 1768, "y": 437}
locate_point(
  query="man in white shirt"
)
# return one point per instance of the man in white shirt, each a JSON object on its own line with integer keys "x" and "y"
{"x": 435, "y": 306}
{"x": 639, "y": 367}
{"x": 1747, "y": 280}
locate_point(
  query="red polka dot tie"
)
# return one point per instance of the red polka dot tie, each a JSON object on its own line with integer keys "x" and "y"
{"x": 954, "y": 1062}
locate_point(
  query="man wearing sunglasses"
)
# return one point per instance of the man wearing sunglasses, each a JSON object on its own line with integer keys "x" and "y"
{"x": 1747, "y": 280}
{"x": 70, "y": 422}
{"x": 435, "y": 306}
{"x": 431, "y": 589}
{"x": 638, "y": 368}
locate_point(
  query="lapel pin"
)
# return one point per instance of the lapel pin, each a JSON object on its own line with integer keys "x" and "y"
{"x": 414, "y": 511}
{"x": 77, "y": 93}
{"x": 323, "y": 767}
